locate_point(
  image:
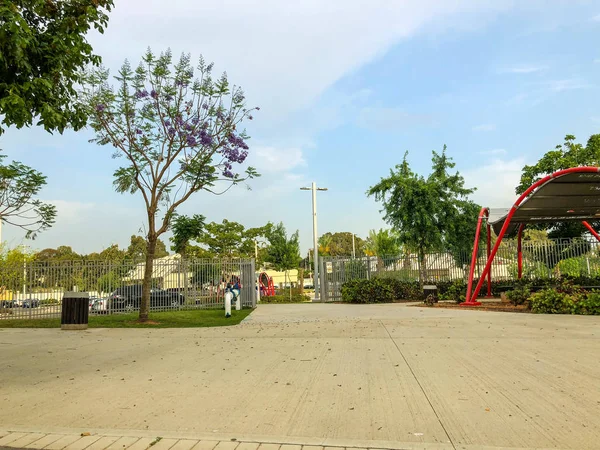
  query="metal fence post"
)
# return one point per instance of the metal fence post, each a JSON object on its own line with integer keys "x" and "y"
{"x": 255, "y": 290}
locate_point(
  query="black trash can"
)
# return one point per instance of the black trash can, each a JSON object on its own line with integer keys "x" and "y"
{"x": 75, "y": 311}
{"x": 430, "y": 289}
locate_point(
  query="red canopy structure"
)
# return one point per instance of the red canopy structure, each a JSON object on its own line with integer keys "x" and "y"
{"x": 566, "y": 195}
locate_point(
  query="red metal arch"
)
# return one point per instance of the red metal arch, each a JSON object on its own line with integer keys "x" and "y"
{"x": 472, "y": 296}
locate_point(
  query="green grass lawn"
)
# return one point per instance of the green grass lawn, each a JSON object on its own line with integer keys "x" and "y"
{"x": 169, "y": 319}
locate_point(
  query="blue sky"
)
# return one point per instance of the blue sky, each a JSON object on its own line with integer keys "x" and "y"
{"x": 345, "y": 88}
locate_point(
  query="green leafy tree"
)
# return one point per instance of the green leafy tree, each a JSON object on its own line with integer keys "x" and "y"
{"x": 425, "y": 212}
{"x": 138, "y": 249}
{"x": 564, "y": 156}
{"x": 324, "y": 243}
{"x": 382, "y": 243}
{"x": 178, "y": 134}
{"x": 340, "y": 244}
{"x": 43, "y": 51}
{"x": 12, "y": 275}
{"x": 223, "y": 239}
{"x": 232, "y": 240}
{"x": 186, "y": 229}
{"x": 283, "y": 252}
{"x": 19, "y": 186}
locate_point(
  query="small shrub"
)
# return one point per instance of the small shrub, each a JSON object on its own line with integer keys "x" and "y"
{"x": 455, "y": 291}
{"x": 551, "y": 301}
{"x": 429, "y": 300}
{"x": 589, "y": 305}
{"x": 519, "y": 295}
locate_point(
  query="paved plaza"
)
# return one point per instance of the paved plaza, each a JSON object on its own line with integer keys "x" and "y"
{"x": 318, "y": 375}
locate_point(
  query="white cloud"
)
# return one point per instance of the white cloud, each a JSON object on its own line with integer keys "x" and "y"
{"x": 569, "y": 84}
{"x": 523, "y": 69}
{"x": 597, "y": 61}
{"x": 272, "y": 159}
{"x": 285, "y": 54}
{"x": 485, "y": 127}
{"x": 495, "y": 151}
{"x": 496, "y": 182}
{"x": 596, "y": 18}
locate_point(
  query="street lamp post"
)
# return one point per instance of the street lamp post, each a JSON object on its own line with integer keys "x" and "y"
{"x": 314, "y": 190}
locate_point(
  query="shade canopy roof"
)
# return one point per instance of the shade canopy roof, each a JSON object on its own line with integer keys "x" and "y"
{"x": 565, "y": 197}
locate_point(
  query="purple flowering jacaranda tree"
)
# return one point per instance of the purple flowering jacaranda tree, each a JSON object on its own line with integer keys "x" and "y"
{"x": 178, "y": 133}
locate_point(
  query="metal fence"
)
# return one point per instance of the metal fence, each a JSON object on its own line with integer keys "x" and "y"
{"x": 35, "y": 289}
{"x": 541, "y": 259}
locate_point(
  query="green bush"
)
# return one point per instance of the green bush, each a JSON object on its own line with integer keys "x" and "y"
{"x": 551, "y": 301}
{"x": 285, "y": 298}
{"x": 519, "y": 295}
{"x": 455, "y": 291}
{"x": 589, "y": 305}
{"x": 376, "y": 290}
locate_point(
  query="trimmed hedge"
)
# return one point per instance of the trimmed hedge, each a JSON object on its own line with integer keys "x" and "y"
{"x": 285, "y": 298}
{"x": 559, "y": 296}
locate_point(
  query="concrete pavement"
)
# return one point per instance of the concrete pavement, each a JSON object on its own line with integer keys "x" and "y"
{"x": 376, "y": 376}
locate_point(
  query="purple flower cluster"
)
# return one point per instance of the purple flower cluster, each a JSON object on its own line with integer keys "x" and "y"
{"x": 235, "y": 151}
{"x": 100, "y": 107}
{"x": 141, "y": 94}
{"x": 228, "y": 173}
{"x": 138, "y": 131}
{"x": 153, "y": 94}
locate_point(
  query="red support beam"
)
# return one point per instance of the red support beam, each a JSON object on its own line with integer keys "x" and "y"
{"x": 589, "y": 227}
{"x": 520, "y": 252}
{"x": 509, "y": 217}
{"x": 489, "y": 249}
{"x": 483, "y": 214}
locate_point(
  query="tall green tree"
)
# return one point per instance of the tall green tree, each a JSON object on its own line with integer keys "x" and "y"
{"x": 19, "y": 205}
{"x": 564, "y": 156}
{"x": 231, "y": 239}
{"x": 138, "y": 249}
{"x": 179, "y": 135}
{"x": 186, "y": 229}
{"x": 43, "y": 52}
{"x": 427, "y": 212}
{"x": 283, "y": 252}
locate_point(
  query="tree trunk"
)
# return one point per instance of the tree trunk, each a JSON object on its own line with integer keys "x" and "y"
{"x": 147, "y": 284}
{"x": 301, "y": 280}
{"x": 422, "y": 267}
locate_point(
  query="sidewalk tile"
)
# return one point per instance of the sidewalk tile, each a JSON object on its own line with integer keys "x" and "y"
{"x": 123, "y": 442}
{"x": 46, "y": 440}
{"x": 27, "y": 439}
{"x": 102, "y": 443}
{"x": 205, "y": 445}
{"x": 247, "y": 446}
{"x": 164, "y": 444}
{"x": 63, "y": 442}
{"x": 184, "y": 444}
{"x": 11, "y": 437}
{"x": 142, "y": 444}
{"x": 83, "y": 443}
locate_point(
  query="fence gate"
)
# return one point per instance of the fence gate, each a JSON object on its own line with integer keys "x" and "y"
{"x": 336, "y": 271}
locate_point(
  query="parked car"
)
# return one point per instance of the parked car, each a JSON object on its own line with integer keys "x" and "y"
{"x": 129, "y": 298}
{"x": 99, "y": 305}
{"x": 9, "y": 304}
{"x": 30, "y": 303}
